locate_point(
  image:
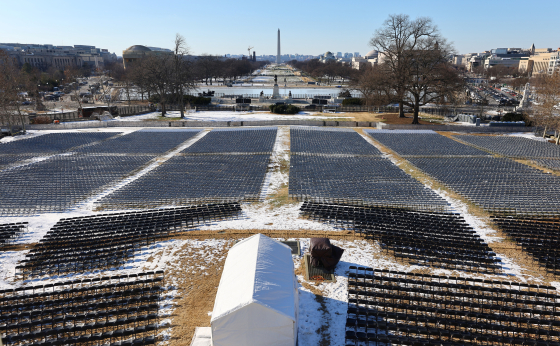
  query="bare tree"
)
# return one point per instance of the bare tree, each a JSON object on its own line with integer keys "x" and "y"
{"x": 518, "y": 83}
{"x": 458, "y": 98}
{"x": 396, "y": 39}
{"x": 73, "y": 75}
{"x": 546, "y": 108}
{"x": 33, "y": 76}
{"x": 138, "y": 77}
{"x": 168, "y": 76}
{"x": 206, "y": 67}
{"x": 128, "y": 85}
{"x": 109, "y": 94}
{"x": 14, "y": 85}
{"x": 124, "y": 79}
{"x": 480, "y": 71}
{"x": 182, "y": 78}
{"x": 372, "y": 83}
{"x": 431, "y": 76}
{"x": 497, "y": 74}
{"x": 158, "y": 71}
{"x": 6, "y": 115}
{"x": 239, "y": 68}
{"x": 483, "y": 102}
{"x": 417, "y": 58}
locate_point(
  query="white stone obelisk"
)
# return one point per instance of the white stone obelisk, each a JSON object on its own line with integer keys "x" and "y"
{"x": 278, "y": 53}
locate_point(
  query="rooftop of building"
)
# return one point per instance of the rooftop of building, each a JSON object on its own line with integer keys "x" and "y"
{"x": 138, "y": 48}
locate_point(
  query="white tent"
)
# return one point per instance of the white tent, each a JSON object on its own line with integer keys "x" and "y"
{"x": 257, "y": 300}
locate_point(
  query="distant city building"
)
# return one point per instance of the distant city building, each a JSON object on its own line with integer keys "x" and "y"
{"x": 136, "y": 52}
{"x": 531, "y": 61}
{"x": 474, "y": 60}
{"x": 43, "y": 56}
{"x": 371, "y": 58}
{"x": 356, "y": 55}
{"x": 372, "y": 54}
{"x": 345, "y": 58}
{"x": 492, "y": 61}
{"x": 328, "y": 56}
{"x": 554, "y": 62}
{"x": 541, "y": 61}
{"x": 457, "y": 60}
{"x": 507, "y": 57}
{"x": 157, "y": 49}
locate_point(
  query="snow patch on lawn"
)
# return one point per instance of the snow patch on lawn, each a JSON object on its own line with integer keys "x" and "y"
{"x": 258, "y": 216}
{"x": 229, "y": 116}
{"x": 528, "y": 135}
{"x": 484, "y": 231}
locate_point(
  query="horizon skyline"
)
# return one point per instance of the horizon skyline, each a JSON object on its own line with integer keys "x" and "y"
{"x": 245, "y": 54}
{"x": 223, "y": 31}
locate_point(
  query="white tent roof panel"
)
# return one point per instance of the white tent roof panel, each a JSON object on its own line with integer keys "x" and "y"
{"x": 257, "y": 296}
{"x": 253, "y": 325}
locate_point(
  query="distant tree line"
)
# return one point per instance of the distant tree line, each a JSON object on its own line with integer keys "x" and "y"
{"x": 13, "y": 82}
{"x": 166, "y": 78}
{"x": 17, "y": 86}
{"x": 497, "y": 73}
{"x": 331, "y": 70}
{"x": 210, "y": 68}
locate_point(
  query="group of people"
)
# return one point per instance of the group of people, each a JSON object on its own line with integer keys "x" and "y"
{"x": 262, "y": 94}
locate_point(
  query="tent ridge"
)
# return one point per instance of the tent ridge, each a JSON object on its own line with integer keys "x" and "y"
{"x": 252, "y": 301}
{"x": 271, "y": 308}
{"x": 237, "y": 307}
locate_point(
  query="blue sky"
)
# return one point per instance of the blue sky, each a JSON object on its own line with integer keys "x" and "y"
{"x": 307, "y": 27}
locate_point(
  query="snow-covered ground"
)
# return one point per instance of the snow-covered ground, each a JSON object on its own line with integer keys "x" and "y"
{"x": 315, "y": 313}
{"x": 231, "y": 116}
{"x": 528, "y": 135}
{"x": 35, "y": 133}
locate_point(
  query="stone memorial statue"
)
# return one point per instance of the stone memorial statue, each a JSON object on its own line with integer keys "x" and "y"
{"x": 524, "y": 104}
{"x": 276, "y": 89}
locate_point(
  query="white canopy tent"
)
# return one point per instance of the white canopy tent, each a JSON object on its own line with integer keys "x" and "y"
{"x": 257, "y": 300}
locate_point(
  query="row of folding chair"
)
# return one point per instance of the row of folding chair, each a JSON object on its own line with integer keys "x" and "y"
{"x": 82, "y": 286}
{"x": 430, "y": 309}
{"x": 538, "y": 237}
{"x": 11, "y": 232}
{"x": 115, "y": 309}
{"x": 424, "y": 238}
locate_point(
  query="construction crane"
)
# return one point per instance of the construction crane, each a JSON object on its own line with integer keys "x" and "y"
{"x": 249, "y": 50}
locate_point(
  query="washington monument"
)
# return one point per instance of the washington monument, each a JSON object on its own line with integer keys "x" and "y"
{"x": 278, "y": 53}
